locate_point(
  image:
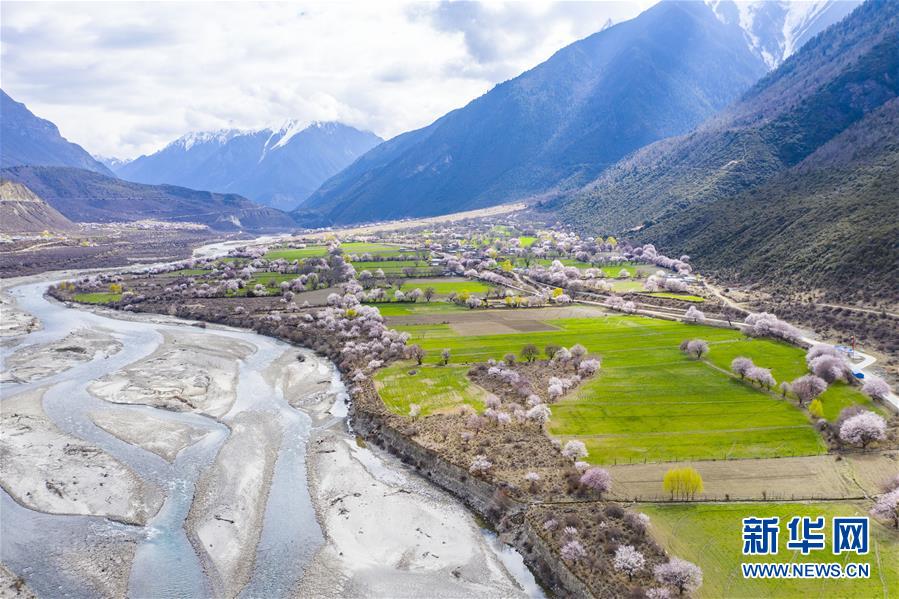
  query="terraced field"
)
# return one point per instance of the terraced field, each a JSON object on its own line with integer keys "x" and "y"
{"x": 650, "y": 402}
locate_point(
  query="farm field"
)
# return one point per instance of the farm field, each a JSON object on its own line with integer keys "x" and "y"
{"x": 787, "y": 363}
{"x": 392, "y": 267}
{"x": 189, "y": 272}
{"x": 445, "y": 286}
{"x": 320, "y": 250}
{"x": 686, "y": 297}
{"x": 411, "y": 309}
{"x": 650, "y": 402}
{"x": 97, "y": 298}
{"x": 710, "y": 536}
{"x": 626, "y": 286}
{"x": 434, "y": 388}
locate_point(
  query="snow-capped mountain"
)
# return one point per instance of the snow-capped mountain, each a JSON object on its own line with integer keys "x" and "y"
{"x": 278, "y": 166}
{"x": 111, "y": 162}
{"x": 775, "y": 29}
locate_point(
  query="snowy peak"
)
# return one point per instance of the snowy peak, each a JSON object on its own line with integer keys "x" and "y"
{"x": 220, "y": 137}
{"x": 775, "y": 29}
{"x": 282, "y": 135}
{"x": 277, "y": 166}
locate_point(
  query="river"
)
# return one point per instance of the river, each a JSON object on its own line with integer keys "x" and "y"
{"x": 166, "y": 562}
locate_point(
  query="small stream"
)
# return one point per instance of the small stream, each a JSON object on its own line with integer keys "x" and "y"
{"x": 165, "y": 563}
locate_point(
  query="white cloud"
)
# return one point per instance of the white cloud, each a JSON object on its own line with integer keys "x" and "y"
{"x": 126, "y": 78}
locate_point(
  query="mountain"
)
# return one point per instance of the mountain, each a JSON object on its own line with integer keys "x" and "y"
{"x": 86, "y": 196}
{"x": 29, "y": 140}
{"x": 21, "y": 211}
{"x": 278, "y": 168}
{"x": 793, "y": 185}
{"x": 556, "y": 126}
{"x": 775, "y": 29}
{"x": 111, "y": 162}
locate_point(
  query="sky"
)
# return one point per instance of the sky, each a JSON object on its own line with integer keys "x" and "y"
{"x": 124, "y": 79}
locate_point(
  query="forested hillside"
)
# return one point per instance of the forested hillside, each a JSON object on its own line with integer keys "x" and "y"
{"x": 795, "y": 183}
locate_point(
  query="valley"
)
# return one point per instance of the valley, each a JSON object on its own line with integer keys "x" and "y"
{"x": 450, "y": 299}
{"x": 456, "y": 359}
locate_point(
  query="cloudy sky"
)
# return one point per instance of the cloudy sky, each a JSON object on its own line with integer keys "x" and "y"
{"x": 124, "y": 79}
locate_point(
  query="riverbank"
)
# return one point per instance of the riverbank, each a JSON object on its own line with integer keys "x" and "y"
{"x": 390, "y": 533}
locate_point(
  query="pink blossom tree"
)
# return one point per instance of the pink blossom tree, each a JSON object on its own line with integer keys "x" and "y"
{"x": 574, "y": 449}
{"x": 628, "y": 560}
{"x": 863, "y": 428}
{"x": 680, "y": 574}
{"x": 876, "y": 388}
{"x": 808, "y": 387}
{"x": 741, "y": 365}
{"x": 597, "y": 479}
{"x": 887, "y": 507}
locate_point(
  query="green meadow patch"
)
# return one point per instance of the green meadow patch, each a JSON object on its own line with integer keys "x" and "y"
{"x": 650, "y": 402}
{"x": 710, "y": 535}
{"x": 678, "y": 296}
{"x": 97, "y": 298}
{"x": 421, "y": 307}
{"x": 444, "y": 287}
{"x": 314, "y": 251}
{"x": 434, "y": 388}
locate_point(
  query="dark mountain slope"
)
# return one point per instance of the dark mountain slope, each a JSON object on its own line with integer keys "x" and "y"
{"x": 90, "y": 197}
{"x": 557, "y": 125}
{"x": 838, "y": 83}
{"x": 21, "y": 211}
{"x": 830, "y": 222}
{"x": 28, "y": 140}
{"x": 276, "y": 168}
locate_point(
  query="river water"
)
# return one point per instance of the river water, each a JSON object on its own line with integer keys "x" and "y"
{"x": 166, "y": 564}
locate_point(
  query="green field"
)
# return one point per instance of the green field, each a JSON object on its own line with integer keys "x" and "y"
{"x": 97, "y": 298}
{"x": 678, "y": 296}
{"x": 612, "y": 271}
{"x": 787, "y": 363}
{"x": 189, "y": 272}
{"x": 443, "y": 287}
{"x": 650, "y": 401}
{"x": 392, "y": 267}
{"x": 526, "y": 241}
{"x": 421, "y": 307}
{"x": 710, "y": 535}
{"x": 320, "y": 250}
{"x": 434, "y": 388}
{"x": 626, "y": 286}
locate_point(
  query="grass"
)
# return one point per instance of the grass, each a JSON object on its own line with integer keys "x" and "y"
{"x": 625, "y": 286}
{"x": 678, "y": 296}
{"x": 320, "y": 250}
{"x": 410, "y": 309}
{"x": 526, "y": 241}
{"x": 97, "y": 298}
{"x": 189, "y": 272}
{"x": 444, "y": 287}
{"x": 710, "y": 536}
{"x": 787, "y": 363}
{"x": 434, "y": 388}
{"x": 651, "y": 402}
{"x": 394, "y": 267}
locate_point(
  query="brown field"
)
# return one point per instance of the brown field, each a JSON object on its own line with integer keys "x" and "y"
{"x": 810, "y": 477}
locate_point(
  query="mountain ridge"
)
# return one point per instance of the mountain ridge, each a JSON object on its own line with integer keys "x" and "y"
{"x": 693, "y": 193}
{"x": 556, "y": 125}
{"x": 30, "y": 140}
{"x": 278, "y": 167}
{"x": 86, "y": 196}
